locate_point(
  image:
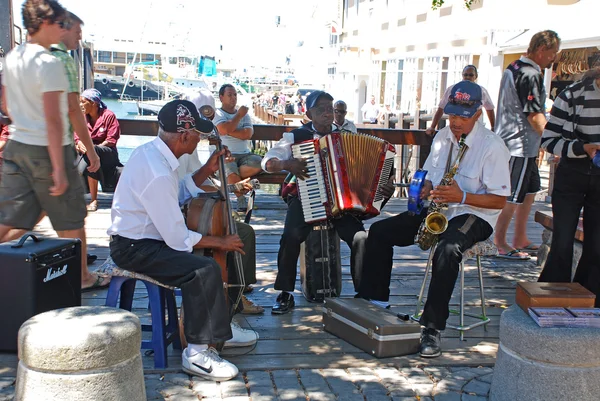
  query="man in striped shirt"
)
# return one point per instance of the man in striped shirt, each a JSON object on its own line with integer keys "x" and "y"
{"x": 573, "y": 133}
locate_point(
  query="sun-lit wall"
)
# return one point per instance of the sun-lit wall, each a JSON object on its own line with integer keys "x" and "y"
{"x": 406, "y": 54}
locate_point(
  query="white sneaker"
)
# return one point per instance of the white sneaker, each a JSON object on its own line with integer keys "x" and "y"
{"x": 241, "y": 337}
{"x": 209, "y": 365}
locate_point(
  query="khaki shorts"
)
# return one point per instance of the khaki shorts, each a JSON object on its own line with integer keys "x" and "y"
{"x": 24, "y": 189}
{"x": 242, "y": 159}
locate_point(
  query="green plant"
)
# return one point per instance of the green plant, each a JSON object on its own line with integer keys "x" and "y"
{"x": 435, "y": 4}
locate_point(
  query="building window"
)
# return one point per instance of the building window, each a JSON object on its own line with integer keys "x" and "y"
{"x": 432, "y": 76}
{"x": 407, "y": 80}
{"x": 130, "y": 57}
{"x": 104, "y": 57}
{"x": 455, "y": 67}
{"x": 119, "y": 57}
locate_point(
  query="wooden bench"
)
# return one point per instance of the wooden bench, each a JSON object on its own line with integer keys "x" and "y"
{"x": 291, "y": 119}
{"x": 545, "y": 218}
{"x": 275, "y": 178}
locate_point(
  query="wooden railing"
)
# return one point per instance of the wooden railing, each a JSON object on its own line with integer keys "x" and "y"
{"x": 275, "y": 132}
{"x": 275, "y": 118}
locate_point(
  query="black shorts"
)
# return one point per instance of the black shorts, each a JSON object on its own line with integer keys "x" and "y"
{"x": 524, "y": 178}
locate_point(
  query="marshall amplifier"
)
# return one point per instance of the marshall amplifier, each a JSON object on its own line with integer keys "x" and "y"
{"x": 36, "y": 276}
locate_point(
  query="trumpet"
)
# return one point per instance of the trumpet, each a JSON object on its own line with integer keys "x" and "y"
{"x": 436, "y": 222}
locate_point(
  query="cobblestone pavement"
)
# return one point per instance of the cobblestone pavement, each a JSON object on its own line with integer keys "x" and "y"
{"x": 355, "y": 384}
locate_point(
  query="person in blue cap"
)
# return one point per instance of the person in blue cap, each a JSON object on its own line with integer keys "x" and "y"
{"x": 319, "y": 108}
{"x": 475, "y": 198}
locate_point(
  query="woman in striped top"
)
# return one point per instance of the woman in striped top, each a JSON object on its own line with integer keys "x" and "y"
{"x": 573, "y": 133}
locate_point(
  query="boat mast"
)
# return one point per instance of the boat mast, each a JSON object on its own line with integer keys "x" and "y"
{"x": 136, "y": 54}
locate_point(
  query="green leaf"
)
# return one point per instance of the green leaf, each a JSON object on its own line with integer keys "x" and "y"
{"x": 435, "y": 4}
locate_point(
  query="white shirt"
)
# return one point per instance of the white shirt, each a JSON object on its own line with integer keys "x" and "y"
{"x": 346, "y": 126}
{"x": 30, "y": 71}
{"x": 370, "y": 111}
{"x": 146, "y": 204}
{"x": 282, "y": 150}
{"x": 200, "y": 97}
{"x": 483, "y": 170}
{"x": 189, "y": 164}
{"x": 235, "y": 145}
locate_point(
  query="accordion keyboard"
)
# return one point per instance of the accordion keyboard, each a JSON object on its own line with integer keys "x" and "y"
{"x": 311, "y": 190}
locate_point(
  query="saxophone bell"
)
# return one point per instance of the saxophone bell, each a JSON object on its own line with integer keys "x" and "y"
{"x": 436, "y": 223}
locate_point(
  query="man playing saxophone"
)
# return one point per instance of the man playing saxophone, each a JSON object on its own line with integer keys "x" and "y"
{"x": 474, "y": 194}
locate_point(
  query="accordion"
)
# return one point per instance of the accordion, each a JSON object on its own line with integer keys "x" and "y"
{"x": 346, "y": 174}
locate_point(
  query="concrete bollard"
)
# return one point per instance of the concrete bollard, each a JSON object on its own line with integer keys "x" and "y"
{"x": 89, "y": 353}
{"x": 549, "y": 364}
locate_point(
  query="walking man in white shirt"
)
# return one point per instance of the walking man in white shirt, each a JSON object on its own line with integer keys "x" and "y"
{"x": 475, "y": 197}
{"x": 370, "y": 112}
{"x": 469, "y": 73}
{"x": 39, "y": 172}
{"x": 149, "y": 235}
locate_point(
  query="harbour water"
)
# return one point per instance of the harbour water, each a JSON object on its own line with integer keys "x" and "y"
{"x": 127, "y": 143}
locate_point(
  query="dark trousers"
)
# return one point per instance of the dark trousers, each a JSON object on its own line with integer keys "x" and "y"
{"x": 206, "y": 319}
{"x": 296, "y": 230}
{"x": 248, "y": 237}
{"x": 462, "y": 233}
{"x": 575, "y": 189}
{"x": 107, "y": 173}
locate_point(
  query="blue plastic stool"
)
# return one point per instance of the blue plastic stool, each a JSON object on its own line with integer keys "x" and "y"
{"x": 164, "y": 332}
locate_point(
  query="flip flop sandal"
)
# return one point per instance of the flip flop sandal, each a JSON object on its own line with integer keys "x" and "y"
{"x": 530, "y": 248}
{"x": 100, "y": 283}
{"x": 512, "y": 255}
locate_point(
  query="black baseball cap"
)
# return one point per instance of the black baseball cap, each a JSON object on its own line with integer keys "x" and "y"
{"x": 181, "y": 116}
{"x": 313, "y": 98}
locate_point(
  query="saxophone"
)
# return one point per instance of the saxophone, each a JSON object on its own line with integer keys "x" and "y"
{"x": 436, "y": 222}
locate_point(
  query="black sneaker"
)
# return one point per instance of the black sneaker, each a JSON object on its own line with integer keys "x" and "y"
{"x": 283, "y": 304}
{"x": 430, "y": 344}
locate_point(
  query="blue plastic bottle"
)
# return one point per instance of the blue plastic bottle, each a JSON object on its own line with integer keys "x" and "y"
{"x": 596, "y": 159}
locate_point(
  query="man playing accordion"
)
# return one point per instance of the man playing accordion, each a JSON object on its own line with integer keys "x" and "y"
{"x": 350, "y": 228}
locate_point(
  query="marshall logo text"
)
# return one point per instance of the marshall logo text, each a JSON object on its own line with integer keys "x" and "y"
{"x": 55, "y": 273}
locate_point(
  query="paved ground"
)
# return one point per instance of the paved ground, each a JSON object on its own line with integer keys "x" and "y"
{"x": 354, "y": 384}
{"x": 424, "y": 383}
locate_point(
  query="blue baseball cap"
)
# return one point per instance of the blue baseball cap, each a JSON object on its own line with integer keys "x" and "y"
{"x": 464, "y": 100}
{"x": 313, "y": 98}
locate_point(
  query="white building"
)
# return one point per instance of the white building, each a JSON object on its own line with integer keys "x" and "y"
{"x": 406, "y": 54}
